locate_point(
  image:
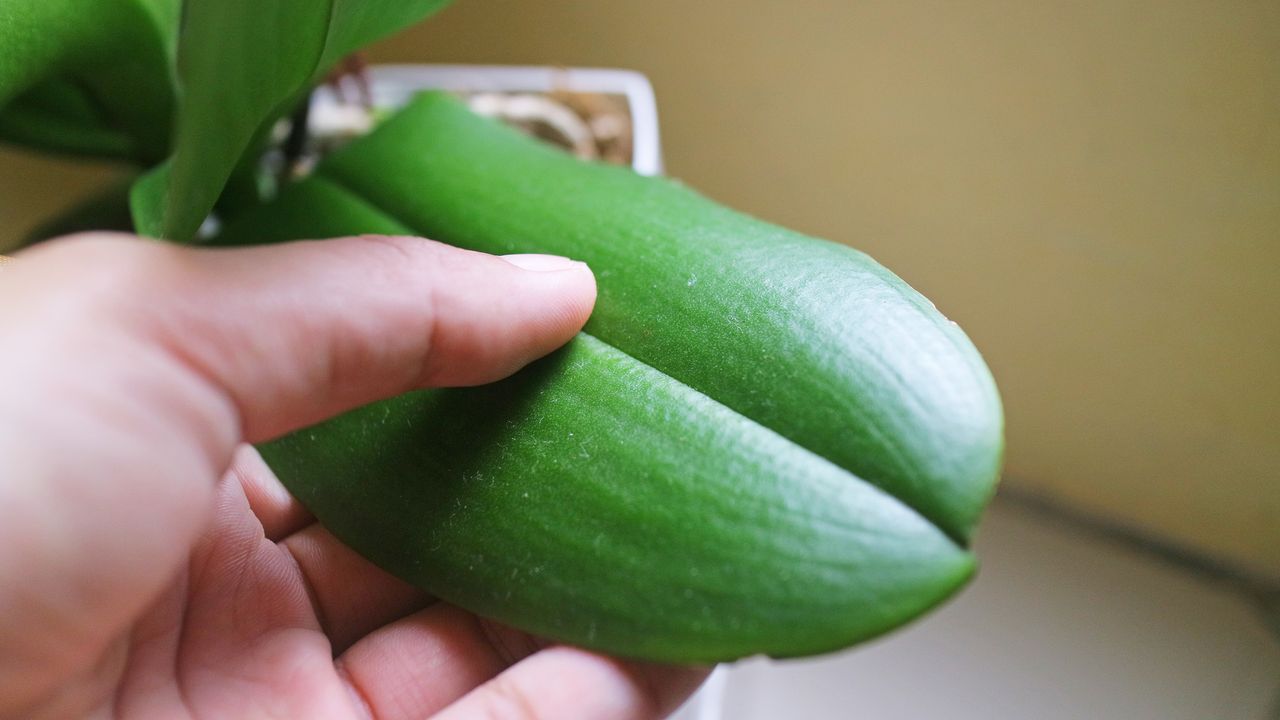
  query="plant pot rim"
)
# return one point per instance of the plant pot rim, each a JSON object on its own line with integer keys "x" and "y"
{"x": 394, "y": 85}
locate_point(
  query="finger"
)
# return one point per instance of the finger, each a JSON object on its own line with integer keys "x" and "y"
{"x": 279, "y": 512}
{"x": 417, "y": 666}
{"x": 138, "y": 368}
{"x": 247, "y": 638}
{"x": 352, "y": 595}
{"x": 295, "y": 333}
{"x": 568, "y": 684}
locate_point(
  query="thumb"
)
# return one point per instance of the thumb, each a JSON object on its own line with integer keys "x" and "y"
{"x": 133, "y": 369}
{"x": 286, "y": 335}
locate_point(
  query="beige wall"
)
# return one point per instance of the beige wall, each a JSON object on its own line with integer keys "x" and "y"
{"x": 34, "y": 187}
{"x": 1092, "y": 189}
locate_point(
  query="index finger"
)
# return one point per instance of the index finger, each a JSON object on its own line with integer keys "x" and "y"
{"x": 572, "y": 684}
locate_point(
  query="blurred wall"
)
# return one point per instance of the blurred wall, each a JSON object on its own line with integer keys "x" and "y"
{"x": 34, "y": 187}
{"x": 1091, "y": 189}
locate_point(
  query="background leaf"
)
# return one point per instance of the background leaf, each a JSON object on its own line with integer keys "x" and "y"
{"x": 60, "y": 116}
{"x": 91, "y": 78}
{"x": 243, "y": 65}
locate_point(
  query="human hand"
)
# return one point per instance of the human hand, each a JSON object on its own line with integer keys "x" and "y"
{"x": 151, "y": 565}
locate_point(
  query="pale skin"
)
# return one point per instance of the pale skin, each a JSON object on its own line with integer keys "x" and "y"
{"x": 151, "y": 566}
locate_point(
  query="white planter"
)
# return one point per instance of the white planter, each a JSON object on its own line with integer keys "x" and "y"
{"x": 391, "y": 86}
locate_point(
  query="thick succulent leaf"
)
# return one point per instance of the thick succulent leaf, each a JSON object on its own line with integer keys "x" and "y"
{"x": 814, "y": 340}
{"x": 116, "y": 54}
{"x": 596, "y": 500}
{"x": 40, "y": 39}
{"x": 244, "y": 64}
{"x": 695, "y": 478}
{"x": 315, "y": 208}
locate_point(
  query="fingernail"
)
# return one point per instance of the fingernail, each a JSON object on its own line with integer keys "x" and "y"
{"x": 540, "y": 263}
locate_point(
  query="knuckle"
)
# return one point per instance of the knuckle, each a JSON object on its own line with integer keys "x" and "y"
{"x": 413, "y": 254}
{"x": 399, "y": 247}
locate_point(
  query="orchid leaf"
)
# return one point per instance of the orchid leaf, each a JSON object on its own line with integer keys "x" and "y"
{"x": 244, "y": 64}
{"x": 93, "y": 78}
{"x": 760, "y": 443}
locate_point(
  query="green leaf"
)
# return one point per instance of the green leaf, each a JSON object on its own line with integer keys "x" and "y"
{"x": 922, "y": 419}
{"x": 243, "y": 65}
{"x": 59, "y": 116}
{"x": 116, "y": 54}
{"x": 595, "y": 500}
{"x": 762, "y": 442}
{"x": 146, "y": 201}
